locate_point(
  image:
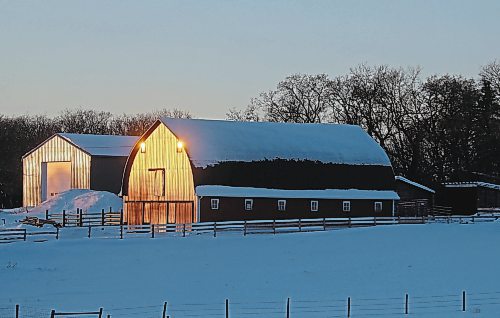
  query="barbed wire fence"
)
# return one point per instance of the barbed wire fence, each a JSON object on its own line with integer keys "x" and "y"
{"x": 416, "y": 306}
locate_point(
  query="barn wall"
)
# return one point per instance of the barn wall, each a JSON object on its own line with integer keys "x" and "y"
{"x": 55, "y": 149}
{"x": 107, "y": 173}
{"x": 290, "y": 174}
{"x": 232, "y": 209}
{"x": 141, "y": 205}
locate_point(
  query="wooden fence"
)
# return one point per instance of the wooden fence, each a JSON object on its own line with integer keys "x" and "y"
{"x": 238, "y": 227}
{"x": 81, "y": 219}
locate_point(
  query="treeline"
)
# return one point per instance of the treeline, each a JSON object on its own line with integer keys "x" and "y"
{"x": 434, "y": 129}
{"x": 19, "y": 134}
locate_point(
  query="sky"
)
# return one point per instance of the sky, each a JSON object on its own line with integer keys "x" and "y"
{"x": 208, "y": 56}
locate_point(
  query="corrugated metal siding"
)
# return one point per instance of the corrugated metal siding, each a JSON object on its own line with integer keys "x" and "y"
{"x": 161, "y": 153}
{"x": 55, "y": 149}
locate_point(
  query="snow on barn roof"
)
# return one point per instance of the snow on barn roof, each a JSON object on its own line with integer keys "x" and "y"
{"x": 212, "y": 141}
{"x": 102, "y": 145}
{"x": 415, "y": 184}
{"x": 473, "y": 184}
{"x": 246, "y": 192}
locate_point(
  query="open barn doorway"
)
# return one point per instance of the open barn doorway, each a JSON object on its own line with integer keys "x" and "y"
{"x": 56, "y": 178}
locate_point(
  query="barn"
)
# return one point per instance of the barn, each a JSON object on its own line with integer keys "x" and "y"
{"x": 193, "y": 170}
{"x": 468, "y": 198}
{"x": 415, "y": 198}
{"x": 74, "y": 161}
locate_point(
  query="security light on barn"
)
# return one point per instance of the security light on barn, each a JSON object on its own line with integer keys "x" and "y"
{"x": 143, "y": 147}
{"x": 180, "y": 146}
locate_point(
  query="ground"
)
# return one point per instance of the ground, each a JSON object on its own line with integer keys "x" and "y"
{"x": 375, "y": 266}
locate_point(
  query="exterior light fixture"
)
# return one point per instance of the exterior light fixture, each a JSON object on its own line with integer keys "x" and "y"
{"x": 180, "y": 146}
{"x": 143, "y": 147}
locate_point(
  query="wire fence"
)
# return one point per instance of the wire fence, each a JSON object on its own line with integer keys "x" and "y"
{"x": 447, "y": 305}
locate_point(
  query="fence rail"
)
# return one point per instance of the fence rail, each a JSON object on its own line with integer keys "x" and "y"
{"x": 253, "y": 227}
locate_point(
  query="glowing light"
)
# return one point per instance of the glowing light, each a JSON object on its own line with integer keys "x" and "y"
{"x": 143, "y": 147}
{"x": 180, "y": 146}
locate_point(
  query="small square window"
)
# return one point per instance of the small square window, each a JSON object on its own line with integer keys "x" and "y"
{"x": 248, "y": 204}
{"x": 214, "y": 203}
{"x": 281, "y": 205}
{"x": 314, "y": 206}
{"x": 346, "y": 206}
{"x": 378, "y": 206}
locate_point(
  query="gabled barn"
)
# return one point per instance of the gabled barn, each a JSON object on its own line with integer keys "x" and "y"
{"x": 470, "y": 197}
{"x": 74, "y": 161}
{"x": 189, "y": 170}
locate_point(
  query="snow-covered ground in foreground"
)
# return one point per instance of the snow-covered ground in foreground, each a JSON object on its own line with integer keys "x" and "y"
{"x": 375, "y": 266}
{"x": 87, "y": 200}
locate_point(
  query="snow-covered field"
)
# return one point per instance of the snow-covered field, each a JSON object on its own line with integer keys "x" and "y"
{"x": 375, "y": 266}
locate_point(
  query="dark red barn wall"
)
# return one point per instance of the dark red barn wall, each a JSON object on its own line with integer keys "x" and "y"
{"x": 233, "y": 209}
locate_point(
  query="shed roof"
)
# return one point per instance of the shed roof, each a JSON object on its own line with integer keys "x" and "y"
{"x": 473, "y": 184}
{"x": 210, "y": 142}
{"x": 248, "y": 192}
{"x": 415, "y": 184}
{"x": 102, "y": 145}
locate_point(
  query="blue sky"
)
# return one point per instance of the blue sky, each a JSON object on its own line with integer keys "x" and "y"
{"x": 208, "y": 56}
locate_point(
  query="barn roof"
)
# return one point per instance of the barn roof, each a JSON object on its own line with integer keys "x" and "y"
{"x": 210, "y": 142}
{"x": 415, "y": 184}
{"x": 102, "y": 145}
{"x": 246, "y": 192}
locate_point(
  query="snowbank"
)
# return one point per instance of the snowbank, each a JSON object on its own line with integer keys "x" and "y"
{"x": 87, "y": 200}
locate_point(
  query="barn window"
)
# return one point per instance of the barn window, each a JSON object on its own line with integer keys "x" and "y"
{"x": 214, "y": 204}
{"x": 346, "y": 206}
{"x": 281, "y": 205}
{"x": 314, "y": 206}
{"x": 249, "y": 204}
{"x": 158, "y": 181}
{"x": 378, "y": 206}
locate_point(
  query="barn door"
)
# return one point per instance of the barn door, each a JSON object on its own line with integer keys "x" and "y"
{"x": 155, "y": 213}
{"x": 180, "y": 212}
{"x": 56, "y": 178}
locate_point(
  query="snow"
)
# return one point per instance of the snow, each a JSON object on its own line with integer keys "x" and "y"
{"x": 245, "y": 192}
{"x": 102, "y": 145}
{"x": 257, "y": 273}
{"x": 209, "y": 142}
{"x": 413, "y": 183}
{"x": 472, "y": 185}
{"x": 87, "y": 200}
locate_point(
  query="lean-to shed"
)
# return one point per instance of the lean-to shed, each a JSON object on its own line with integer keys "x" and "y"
{"x": 188, "y": 170}
{"x": 74, "y": 161}
{"x": 415, "y": 198}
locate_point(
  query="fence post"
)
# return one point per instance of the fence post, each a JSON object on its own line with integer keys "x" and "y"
{"x": 348, "y": 307}
{"x": 57, "y": 233}
{"x": 463, "y": 300}
{"x": 17, "y": 310}
{"x": 121, "y": 216}
{"x": 164, "y": 310}
{"x": 109, "y": 316}
{"x": 245, "y": 228}
{"x": 46, "y": 214}
{"x": 406, "y": 304}
{"x": 300, "y": 225}
{"x": 227, "y": 308}
{"x": 52, "y": 313}
{"x": 90, "y": 228}
{"x": 288, "y": 308}
{"x": 100, "y": 312}
{"x": 102, "y": 217}
{"x": 324, "y": 224}
{"x": 349, "y": 222}
{"x": 184, "y": 229}
{"x": 274, "y": 226}
{"x": 24, "y": 234}
{"x": 121, "y": 231}
{"x": 80, "y": 214}
{"x": 64, "y": 218}
{"x": 215, "y": 229}
{"x": 152, "y": 231}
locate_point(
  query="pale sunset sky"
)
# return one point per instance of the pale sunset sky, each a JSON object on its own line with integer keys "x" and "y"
{"x": 208, "y": 56}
